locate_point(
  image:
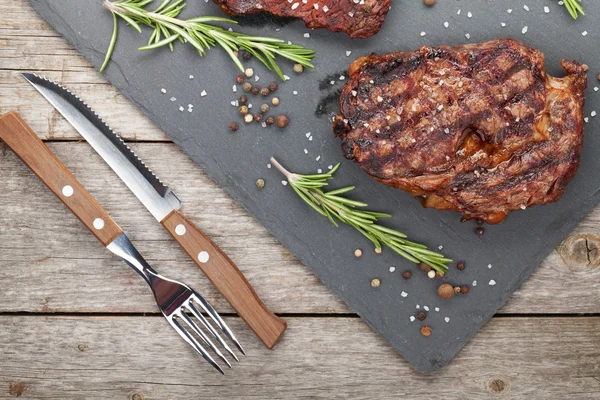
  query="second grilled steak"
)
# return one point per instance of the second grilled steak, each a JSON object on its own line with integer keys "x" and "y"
{"x": 480, "y": 129}
{"x": 359, "y": 19}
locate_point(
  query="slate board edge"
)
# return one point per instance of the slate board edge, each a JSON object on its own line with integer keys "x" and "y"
{"x": 222, "y": 179}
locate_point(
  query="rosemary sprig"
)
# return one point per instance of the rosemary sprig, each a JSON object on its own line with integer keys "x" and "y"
{"x": 198, "y": 32}
{"x": 574, "y": 8}
{"x": 335, "y": 206}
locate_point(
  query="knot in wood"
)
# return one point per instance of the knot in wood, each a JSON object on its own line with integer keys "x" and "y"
{"x": 499, "y": 385}
{"x": 17, "y": 389}
{"x": 137, "y": 396}
{"x": 580, "y": 251}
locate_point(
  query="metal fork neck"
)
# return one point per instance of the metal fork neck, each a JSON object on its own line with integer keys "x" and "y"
{"x": 123, "y": 248}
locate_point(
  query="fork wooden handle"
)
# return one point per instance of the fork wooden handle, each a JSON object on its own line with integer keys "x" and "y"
{"x": 226, "y": 277}
{"x": 37, "y": 156}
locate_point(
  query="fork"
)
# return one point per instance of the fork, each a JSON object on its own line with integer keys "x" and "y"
{"x": 175, "y": 300}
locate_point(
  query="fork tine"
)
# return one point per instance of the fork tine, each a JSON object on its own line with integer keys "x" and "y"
{"x": 218, "y": 320}
{"x": 194, "y": 343}
{"x": 209, "y": 327}
{"x": 205, "y": 338}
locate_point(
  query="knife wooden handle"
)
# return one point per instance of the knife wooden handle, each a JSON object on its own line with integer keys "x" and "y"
{"x": 36, "y": 155}
{"x": 226, "y": 277}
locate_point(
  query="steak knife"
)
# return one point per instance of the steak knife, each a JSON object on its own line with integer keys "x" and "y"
{"x": 164, "y": 205}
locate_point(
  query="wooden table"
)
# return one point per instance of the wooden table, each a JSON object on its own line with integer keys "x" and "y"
{"x": 75, "y": 323}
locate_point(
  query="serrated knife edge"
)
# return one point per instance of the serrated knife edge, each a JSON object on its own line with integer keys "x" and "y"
{"x": 111, "y": 147}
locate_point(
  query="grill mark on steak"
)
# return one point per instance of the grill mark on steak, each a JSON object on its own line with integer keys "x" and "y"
{"x": 480, "y": 128}
{"x": 358, "y": 19}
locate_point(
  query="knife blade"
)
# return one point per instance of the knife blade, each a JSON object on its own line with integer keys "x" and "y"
{"x": 164, "y": 205}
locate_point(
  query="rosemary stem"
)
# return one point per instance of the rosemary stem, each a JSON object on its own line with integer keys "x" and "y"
{"x": 116, "y": 8}
{"x": 290, "y": 177}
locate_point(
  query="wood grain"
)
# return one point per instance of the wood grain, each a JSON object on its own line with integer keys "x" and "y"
{"x": 17, "y": 135}
{"x": 226, "y": 278}
{"x": 121, "y": 357}
{"x": 38, "y": 236}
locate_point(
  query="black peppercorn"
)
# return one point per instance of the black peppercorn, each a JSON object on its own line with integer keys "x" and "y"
{"x": 424, "y": 267}
{"x": 246, "y": 55}
{"x": 273, "y": 86}
{"x": 421, "y": 316}
{"x": 464, "y": 289}
{"x": 233, "y": 127}
{"x": 270, "y": 121}
{"x": 460, "y": 265}
{"x": 406, "y": 275}
{"x": 479, "y": 222}
{"x": 265, "y": 92}
{"x": 255, "y": 90}
{"x": 243, "y": 100}
{"x": 479, "y": 231}
{"x": 247, "y": 87}
{"x": 258, "y": 117}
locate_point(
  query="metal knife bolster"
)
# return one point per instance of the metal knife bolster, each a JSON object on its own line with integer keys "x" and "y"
{"x": 157, "y": 198}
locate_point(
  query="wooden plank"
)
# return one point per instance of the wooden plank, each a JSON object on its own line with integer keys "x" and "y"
{"x": 51, "y": 263}
{"x": 18, "y": 95}
{"x": 142, "y": 358}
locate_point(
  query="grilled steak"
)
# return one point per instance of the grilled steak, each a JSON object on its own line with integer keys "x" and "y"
{"x": 480, "y": 129}
{"x": 359, "y": 19}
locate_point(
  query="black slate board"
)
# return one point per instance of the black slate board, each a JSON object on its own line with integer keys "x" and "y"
{"x": 235, "y": 161}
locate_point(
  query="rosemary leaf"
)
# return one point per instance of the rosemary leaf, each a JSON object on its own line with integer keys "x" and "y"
{"x": 111, "y": 45}
{"x": 199, "y": 32}
{"x": 333, "y": 206}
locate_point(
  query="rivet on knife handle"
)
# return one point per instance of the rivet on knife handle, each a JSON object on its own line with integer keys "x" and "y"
{"x": 27, "y": 145}
{"x": 226, "y": 277}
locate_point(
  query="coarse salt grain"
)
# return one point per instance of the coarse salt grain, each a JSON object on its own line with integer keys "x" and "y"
{"x": 392, "y": 269}
{"x": 584, "y": 33}
{"x": 593, "y": 114}
{"x": 307, "y": 35}
{"x": 474, "y": 283}
{"x": 446, "y": 24}
{"x": 492, "y": 282}
{"x": 412, "y": 318}
{"x": 284, "y": 183}
{"x": 269, "y": 165}
{"x": 203, "y": 93}
{"x": 418, "y": 307}
{"x": 526, "y": 7}
{"x": 403, "y": 294}
{"x": 447, "y": 319}
{"x": 348, "y": 52}
{"x": 546, "y": 9}
{"x": 489, "y": 265}
{"x": 437, "y": 309}
{"x": 423, "y": 33}
{"x": 191, "y": 76}
{"x": 525, "y": 29}
{"x": 425, "y": 308}
{"x": 163, "y": 90}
